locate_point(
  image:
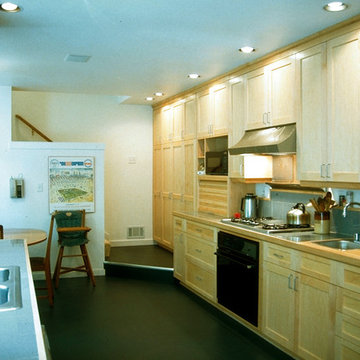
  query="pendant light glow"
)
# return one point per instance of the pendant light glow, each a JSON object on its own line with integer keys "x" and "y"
{"x": 335, "y": 6}
{"x": 9, "y": 7}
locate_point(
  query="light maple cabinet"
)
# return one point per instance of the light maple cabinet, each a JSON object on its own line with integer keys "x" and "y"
{"x": 157, "y": 127}
{"x": 157, "y": 193}
{"x": 292, "y": 300}
{"x": 200, "y": 259}
{"x": 167, "y": 124}
{"x": 213, "y": 111}
{"x": 179, "y": 248}
{"x": 270, "y": 95}
{"x": 329, "y": 107}
{"x": 347, "y": 343}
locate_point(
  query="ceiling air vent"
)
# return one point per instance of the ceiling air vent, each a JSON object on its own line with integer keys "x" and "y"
{"x": 77, "y": 58}
{"x": 136, "y": 232}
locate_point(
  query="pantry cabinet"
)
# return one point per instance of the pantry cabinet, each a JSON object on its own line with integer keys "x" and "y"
{"x": 292, "y": 300}
{"x": 329, "y": 99}
{"x": 270, "y": 95}
{"x": 179, "y": 248}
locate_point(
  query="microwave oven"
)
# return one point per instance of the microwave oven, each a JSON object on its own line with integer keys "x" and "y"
{"x": 216, "y": 162}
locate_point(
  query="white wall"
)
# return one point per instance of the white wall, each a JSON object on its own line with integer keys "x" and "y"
{"x": 126, "y": 131}
{"x": 31, "y": 160}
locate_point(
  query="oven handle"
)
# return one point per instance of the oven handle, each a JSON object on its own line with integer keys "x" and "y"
{"x": 247, "y": 266}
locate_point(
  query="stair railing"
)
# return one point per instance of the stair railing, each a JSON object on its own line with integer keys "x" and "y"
{"x": 33, "y": 128}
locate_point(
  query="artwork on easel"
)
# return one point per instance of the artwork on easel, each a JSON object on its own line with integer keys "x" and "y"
{"x": 71, "y": 183}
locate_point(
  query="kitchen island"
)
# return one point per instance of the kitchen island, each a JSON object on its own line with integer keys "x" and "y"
{"x": 21, "y": 334}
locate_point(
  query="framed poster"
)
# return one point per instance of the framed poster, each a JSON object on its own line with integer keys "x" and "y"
{"x": 71, "y": 183}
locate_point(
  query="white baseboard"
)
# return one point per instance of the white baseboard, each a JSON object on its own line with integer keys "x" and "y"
{"x": 132, "y": 242}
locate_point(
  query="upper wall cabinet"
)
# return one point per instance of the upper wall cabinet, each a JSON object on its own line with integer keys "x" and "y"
{"x": 270, "y": 95}
{"x": 329, "y": 110}
{"x": 213, "y": 111}
{"x": 157, "y": 128}
{"x": 167, "y": 124}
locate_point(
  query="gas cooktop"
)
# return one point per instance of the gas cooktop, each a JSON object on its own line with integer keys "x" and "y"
{"x": 266, "y": 225}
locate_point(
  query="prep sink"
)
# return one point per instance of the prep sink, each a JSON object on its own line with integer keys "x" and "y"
{"x": 10, "y": 288}
{"x": 340, "y": 244}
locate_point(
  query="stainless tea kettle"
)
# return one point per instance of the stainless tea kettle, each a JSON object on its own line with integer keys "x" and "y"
{"x": 249, "y": 206}
{"x": 298, "y": 216}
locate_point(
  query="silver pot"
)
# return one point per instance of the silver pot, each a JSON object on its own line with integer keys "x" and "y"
{"x": 298, "y": 216}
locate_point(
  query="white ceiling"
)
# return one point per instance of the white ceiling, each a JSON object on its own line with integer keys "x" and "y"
{"x": 138, "y": 47}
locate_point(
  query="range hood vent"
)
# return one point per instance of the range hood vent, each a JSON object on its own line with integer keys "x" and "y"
{"x": 272, "y": 140}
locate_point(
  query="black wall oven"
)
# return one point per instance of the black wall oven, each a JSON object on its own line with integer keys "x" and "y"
{"x": 238, "y": 275}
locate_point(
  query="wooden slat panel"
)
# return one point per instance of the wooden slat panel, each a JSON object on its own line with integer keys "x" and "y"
{"x": 213, "y": 197}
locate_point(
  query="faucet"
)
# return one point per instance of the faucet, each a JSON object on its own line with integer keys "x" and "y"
{"x": 347, "y": 205}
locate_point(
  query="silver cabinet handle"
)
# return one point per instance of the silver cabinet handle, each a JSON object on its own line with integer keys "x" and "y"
{"x": 289, "y": 281}
{"x": 264, "y": 118}
{"x": 295, "y": 289}
{"x": 278, "y": 256}
{"x": 268, "y": 118}
{"x": 198, "y": 251}
{"x": 328, "y": 170}
{"x": 322, "y": 172}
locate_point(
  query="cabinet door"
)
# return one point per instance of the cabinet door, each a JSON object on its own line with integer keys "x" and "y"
{"x": 221, "y": 112}
{"x": 256, "y": 106}
{"x": 204, "y": 114}
{"x": 316, "y": 314}
{"x": 157, "y": 217}
{"x": 189, "y": 178}
{"x": 167, "y": 124}
{"x": 344, "y": 107}
{"x": 190, "y": 119}
{"x": 167, "y": 223}
{"x": 157, "y": 137}
{"x": 178, "y": 169}
{"x": 312, "y": 125}
{"x": 178, "y": 124}
{"x": 237, "y": 122}
{"x": 167, "y": 168}
{"x": 278, "y": 304}
{"x": 179, "y": 255}
{"x": 281, "y": 92}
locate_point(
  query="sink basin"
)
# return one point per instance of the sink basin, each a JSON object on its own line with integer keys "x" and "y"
{"x": 339, "y": 244}
{"x": 10, "y": 288}
{"x": 4, "y": 274}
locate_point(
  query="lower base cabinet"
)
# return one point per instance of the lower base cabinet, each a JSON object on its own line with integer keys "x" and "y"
{"x": 346, "y": 350}
{"x": 298, "y": 312}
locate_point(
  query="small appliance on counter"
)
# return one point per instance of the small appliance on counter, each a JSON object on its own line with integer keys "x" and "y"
{"x": 249, "y": 206}
{"x": 298, "y": 216}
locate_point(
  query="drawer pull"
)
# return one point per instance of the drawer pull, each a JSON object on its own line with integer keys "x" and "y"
{"x": 198, "y": 251}
{"x": 295, "y": 289}
{"x": 198, "y": 230}
{"x": 278, "y": 256}
{"x": 199, "y": 278}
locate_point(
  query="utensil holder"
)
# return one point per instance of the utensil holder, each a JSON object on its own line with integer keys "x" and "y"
{"x": 321, "y": 222}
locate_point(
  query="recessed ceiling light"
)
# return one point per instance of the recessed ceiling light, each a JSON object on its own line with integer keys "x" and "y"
{"x": 149, "y": 98}
{"x": 335, "y": 6}
{"x": 159, "y": 93}
{"x": 247, "y": 49}
{"x": 9, "y": 7}
{"x": 193, "y": 76}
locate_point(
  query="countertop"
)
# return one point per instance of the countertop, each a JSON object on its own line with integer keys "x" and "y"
{"x": 21, "y": 336}
{"x": 301, "y": 240}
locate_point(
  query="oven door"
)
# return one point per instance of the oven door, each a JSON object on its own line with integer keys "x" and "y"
{"x": 238, "y": 285}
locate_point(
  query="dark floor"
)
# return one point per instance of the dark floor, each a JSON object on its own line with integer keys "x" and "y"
{"x": 133, "y": 319}
{"x": 151, "y": 255}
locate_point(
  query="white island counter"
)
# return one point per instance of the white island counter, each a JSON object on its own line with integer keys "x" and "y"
{"x": 21, "y": 336}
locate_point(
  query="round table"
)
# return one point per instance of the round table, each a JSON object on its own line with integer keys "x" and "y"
{"x": 31, "y": 236}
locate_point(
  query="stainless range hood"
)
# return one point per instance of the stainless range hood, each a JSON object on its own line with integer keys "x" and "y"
{"x": 272, "y": 140}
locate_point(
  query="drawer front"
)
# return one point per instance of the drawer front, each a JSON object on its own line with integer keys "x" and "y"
{"x": 179, "y": 224}
{"x": 201, "y": 280}
{"x": 348, "y": 303}
{"x": 348, "y": 277}
{"x": 348, "y": 328}
{"x": 315, "y": 266}
{"x": 201, "y": 250}
{"x": 345, "y": 350}
{"x": 201, "y": 231}
{"x": 277, "y": 254}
